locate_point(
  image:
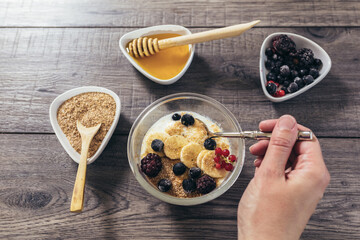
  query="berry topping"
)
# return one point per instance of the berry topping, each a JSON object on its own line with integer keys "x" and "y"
{"x": 157, "y": 145}
{"x": 205, "y": 184}
{"x": 271, "y": 88}
{"x": 179, "y": 168}
{"x": 293, "y": 87}
{"x": 225, "y": 152}
{"x": 195, "y": 172}
{"x": 232, "y": 158}
{"x": 187, "y": 120}
{"x": 176, "y": 117}
{"x": 164, "y": 185}
{"x": 218, "y": 151}
{"x": 151, "y": 165}
{"x": 314, "y": 72}
{"x": 189, "y": 185}
{"x": 283, "y": 44}
{"x": 308, "y": 79}
{"x": 285, "y": 71}
{"x": 210, "y": 144}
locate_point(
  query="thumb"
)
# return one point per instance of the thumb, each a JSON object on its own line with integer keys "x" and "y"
{"x": 280, "y": 146}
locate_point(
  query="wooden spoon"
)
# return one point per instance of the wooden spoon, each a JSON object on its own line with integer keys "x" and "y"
{"x": 87, "y": 134}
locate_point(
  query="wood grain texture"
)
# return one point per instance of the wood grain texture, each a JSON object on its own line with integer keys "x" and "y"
{"x": 37, "y": 180}
{"x": 137, "y": 13}
{"x": 39, "y": 64}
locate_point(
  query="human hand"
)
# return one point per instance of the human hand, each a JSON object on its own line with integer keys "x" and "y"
{"x": 290, "y": 179}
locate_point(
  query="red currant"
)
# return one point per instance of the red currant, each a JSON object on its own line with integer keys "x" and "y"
{"x": 277, "y": 84}
{"x": 281, "y": 93}
{"x": 229, "y": 167}
{"x": 218, "y": 166}
{"x": 218, "y": 151}
{"x": 223, "y": 164}
{"x": 232, "y": 158}
{"x": 217, "y": 159}
{"x": 269, "y": 82}
{"x": 225, "y": 152}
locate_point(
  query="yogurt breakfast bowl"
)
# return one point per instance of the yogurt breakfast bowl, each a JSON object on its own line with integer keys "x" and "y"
{"x": 199, "y": 105}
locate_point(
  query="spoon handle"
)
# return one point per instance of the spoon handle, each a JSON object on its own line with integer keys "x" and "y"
{"x": 302, "y": 135}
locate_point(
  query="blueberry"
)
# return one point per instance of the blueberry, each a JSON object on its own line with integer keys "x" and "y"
{"x": 210, "y": 144}
{"x": 286, "y": 83}
{"x": 271, "y": 88}
{"x": 285, "y": 90}
{"x": 285, "y": 71}
{"x": 189, "y": 185}
{"x": 271, "y": 76}
{"x": 187, "y": 120}
{"x": 164, "y": 185}
{"x": 308, "y": 79}
{"x": 294, "y": 74}
{"x": 280, "y": 58}
{"x": 269, "y": 52}
{"x": 293, "y": 87}
{"x": 269, "y": 65}
{"x": 278, "y": 64}
{"x": 314, "y": 72}
{"x": 176, "y": 116}
{"x": 157, "y": 145}
{"x": 280, "y": 79}
{"x": 179, "y": 168}
{"x": 299, "y": 82}
{"x": 195, "y": 172}
{"x": 303, "y": 72}
{"x": 317, "y": 63}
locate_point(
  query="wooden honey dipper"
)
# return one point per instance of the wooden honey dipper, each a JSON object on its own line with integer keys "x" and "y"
{"x": 144, "y": 46}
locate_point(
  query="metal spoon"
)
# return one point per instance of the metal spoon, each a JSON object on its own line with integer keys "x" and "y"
{"x": 258, "y": 135}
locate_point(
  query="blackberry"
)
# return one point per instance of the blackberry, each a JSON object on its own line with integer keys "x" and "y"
{"x": 157, "y": 145}
{"x": 283, "y": 44}
{"x": 299, "y": 82}
{"x": 305, "y": 57}
{"x": 271, "y": 76}
{"x": 205, "y": 184}
{"x": 151, "y": 165}
{"x": 194, "y": 172}
{"x": 176, "y": 117}
{"x": 271, "y": 88}
{"x": 179, "y": 168}
{"x": 189, "y": 185}
{"x": 210, "y": 144}
{"x": 308, "y": 79}
{"x": 187, "y": 120}
{"x": 293, "y": 87}
{"x": 164, "y": 185}
{"x": 285, "y": 71}
{"x": 314, "y": 72}
{"x": 269, "y": 52}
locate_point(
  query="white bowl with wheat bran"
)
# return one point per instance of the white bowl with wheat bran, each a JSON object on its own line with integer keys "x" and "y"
{"x": 53, "y": 112}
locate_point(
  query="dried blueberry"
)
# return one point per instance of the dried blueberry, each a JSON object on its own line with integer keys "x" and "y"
{"x": 314, "y": 72}
{"x": 179, "y": 168}
{"x": 299, "y": 82}
{"x": 164, "y": 185}
{"x": 271, "y": 88}
{"x": 195, "y": 172}
{"x": 308, "y": 79}
{"x": 293, "y": 87}
{"x": 285, "y": 71}
{"x": 157, "y": 145}
{"x": 189, "y": 185}
{"x": 210, "y": 144}
{"x": 187, "y": 120}
{"x": 176, "y": 117}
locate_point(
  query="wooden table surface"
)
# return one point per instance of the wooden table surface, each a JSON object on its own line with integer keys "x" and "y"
{"x": 48, "y": 47}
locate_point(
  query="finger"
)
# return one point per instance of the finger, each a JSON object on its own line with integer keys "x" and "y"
{"x": 257, "y": 162}
{"x": 267, "y": 125}
{"x": 259, "y": 148}
{"x": 280, "y": 146}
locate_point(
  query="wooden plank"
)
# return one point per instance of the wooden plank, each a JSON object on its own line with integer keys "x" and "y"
{"x": 137, "y": 13}
{"x": 39, "y": 64}
{"x": 37, "y": 180}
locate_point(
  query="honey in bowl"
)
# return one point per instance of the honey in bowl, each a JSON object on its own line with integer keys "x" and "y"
{"x": 167, "y": 63}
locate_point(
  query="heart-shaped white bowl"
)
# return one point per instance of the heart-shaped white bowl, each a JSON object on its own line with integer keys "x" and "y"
{"x": 59, "y": 133}
{"x": 124, "y": 40}
{"x": 301, "y": 42}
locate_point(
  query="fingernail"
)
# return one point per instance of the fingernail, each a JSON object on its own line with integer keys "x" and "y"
{"x": 286, "y": 122}
{"x": 251, "y": 147}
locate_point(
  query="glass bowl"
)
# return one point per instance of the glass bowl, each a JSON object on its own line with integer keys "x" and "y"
{"x": 183, "y": 102}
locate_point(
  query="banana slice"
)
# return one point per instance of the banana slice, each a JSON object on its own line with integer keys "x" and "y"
{"x": 175, "y": 128}
{"x": 189, "y": 154}
{"x": 196, "y": 133}
{"x": 208, "y": 166}
{"x": 200, "y": 157}
{"x": 157, "y": 135}
{"x": 173, "y": 146}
